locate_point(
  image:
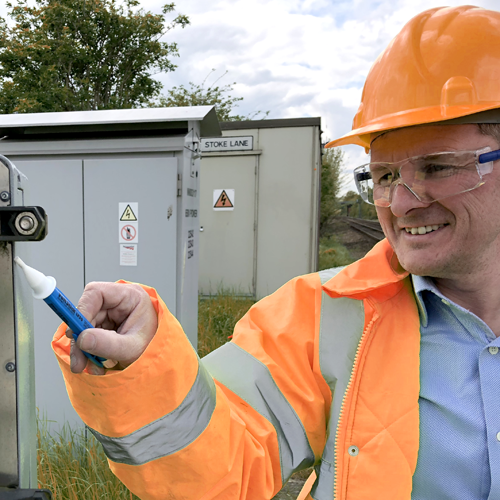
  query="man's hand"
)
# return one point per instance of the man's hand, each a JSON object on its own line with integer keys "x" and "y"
{"x": 125, "y": 322}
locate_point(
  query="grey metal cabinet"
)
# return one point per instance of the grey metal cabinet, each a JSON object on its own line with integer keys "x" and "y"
{"x": 83, "y": 168}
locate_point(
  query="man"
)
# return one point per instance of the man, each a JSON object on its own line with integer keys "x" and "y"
{"x": 386, "y": 381}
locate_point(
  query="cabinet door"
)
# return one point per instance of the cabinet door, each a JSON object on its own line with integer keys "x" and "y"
{"x": 55, "y": 185}
{"x": 227, "y": 242}
{"x": 151, "y": 183}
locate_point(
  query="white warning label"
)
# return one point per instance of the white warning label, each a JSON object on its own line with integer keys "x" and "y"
{"x": 128, "y": 255}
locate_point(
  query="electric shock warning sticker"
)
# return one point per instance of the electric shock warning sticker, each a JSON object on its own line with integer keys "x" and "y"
{"x": 128, "y": 214}
{"x": 223, "y": 199}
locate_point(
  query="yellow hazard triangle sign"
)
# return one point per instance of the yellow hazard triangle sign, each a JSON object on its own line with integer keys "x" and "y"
{"x": 128, "y": 215}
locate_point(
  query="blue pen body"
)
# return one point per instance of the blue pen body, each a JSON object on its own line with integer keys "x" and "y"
{"x": 65, "y": 309}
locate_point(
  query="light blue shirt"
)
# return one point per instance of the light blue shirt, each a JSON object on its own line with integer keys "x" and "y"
{"x": 459, "y": 455}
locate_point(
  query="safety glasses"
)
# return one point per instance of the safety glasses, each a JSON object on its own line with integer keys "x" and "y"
{"x": 429, "y": 178}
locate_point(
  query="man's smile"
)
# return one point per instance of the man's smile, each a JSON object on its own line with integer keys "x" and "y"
{"x": 423, "y": 229}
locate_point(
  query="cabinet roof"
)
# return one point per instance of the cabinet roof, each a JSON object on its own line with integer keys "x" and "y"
{"x": 112, "y": 120}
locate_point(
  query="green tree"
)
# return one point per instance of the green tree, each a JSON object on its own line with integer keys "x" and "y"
{"x": 332, "y": 180}
{"x": 207, "y": 95}
{"x": 66, "y": 55}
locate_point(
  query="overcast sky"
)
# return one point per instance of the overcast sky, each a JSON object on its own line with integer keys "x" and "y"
{"x": 294, "y": 58}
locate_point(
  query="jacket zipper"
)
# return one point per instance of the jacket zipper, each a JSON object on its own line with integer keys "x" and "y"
{"x": 336, "y": 493}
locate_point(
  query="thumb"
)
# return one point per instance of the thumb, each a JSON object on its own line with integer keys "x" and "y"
{"x": 109, "y": 344}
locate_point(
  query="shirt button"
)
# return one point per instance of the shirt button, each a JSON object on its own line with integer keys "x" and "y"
{"x": 493, "y": 350}
{"x": 498, "y": 436}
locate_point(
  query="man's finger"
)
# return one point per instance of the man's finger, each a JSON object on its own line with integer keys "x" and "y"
{"x": 78, "y": 360}
{"x": 93, "y": 369}
{"x": 111, "y": 345}
{"x": 118, "y": 298}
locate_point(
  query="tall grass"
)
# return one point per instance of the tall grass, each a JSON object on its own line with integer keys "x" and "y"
{"x": 73, "y": 466}
{"x": 217, "y": 316}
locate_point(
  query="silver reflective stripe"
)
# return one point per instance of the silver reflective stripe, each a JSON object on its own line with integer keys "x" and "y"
{"x": 328, "y": 274}
{"x": 341, "y": 327}
{"x": 252, "y": 381}
{"x": 170, "y": 433}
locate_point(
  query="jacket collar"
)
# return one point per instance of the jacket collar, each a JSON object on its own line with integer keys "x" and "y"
{"x": 378, "y": 271}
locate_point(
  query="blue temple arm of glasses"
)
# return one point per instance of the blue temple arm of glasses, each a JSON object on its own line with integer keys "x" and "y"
{"x": 364, "y": 176}
{"x": 490, "y": 156}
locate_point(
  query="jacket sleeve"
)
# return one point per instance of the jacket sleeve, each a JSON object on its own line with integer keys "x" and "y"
{"x": 234, "y": 425}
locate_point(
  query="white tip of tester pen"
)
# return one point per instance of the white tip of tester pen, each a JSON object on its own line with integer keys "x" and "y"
{"x": 41, "y": 285}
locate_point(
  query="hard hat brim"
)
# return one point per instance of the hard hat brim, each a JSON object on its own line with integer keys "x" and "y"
{"x": 444, "y": 115}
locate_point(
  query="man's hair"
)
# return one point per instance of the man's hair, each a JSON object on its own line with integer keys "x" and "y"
{"x": 491, "y": 129}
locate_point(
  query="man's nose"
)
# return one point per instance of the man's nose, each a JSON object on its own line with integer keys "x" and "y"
{"x": 403, "y": 200}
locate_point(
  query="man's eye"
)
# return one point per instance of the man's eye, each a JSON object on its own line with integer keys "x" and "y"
{"x": 436, "y": 170}
{"x": 383, "y": 179}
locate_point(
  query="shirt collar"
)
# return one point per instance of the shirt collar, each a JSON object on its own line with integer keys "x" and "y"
{"x": 421, "y": 283}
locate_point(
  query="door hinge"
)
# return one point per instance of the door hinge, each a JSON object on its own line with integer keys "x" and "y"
{"x": 179, "y": 184}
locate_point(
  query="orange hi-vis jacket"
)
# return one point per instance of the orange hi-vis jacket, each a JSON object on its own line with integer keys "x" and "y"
{"x": 325, "y": 371}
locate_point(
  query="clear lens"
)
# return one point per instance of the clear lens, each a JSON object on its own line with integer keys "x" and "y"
{"x": 364, "y": 183}
{"x": 429, "y": 177}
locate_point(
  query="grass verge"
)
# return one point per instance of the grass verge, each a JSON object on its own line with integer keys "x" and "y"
{"x": 217, "y": 316}
{"x": 332, "y": 253}
{"x": 74, "y": 467}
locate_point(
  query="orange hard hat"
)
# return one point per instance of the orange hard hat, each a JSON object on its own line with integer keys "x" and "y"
{"x": 444, "y": 66}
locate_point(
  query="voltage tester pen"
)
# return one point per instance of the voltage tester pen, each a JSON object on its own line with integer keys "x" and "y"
{"x": 44, "y": 287}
